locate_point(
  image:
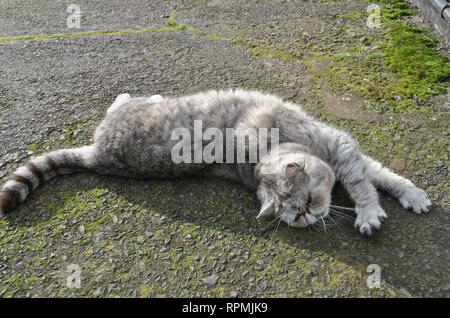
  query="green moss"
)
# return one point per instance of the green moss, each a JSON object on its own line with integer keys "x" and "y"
{"x": 174, "y": 24}
{"x": 419, "y": 70}
{"x": 93, "y": 225}
{"x": 32, "y": 147}
{"x": 189, "y": 229}
{"x": 60, "y": 35}
{"x": 398, "y": 70}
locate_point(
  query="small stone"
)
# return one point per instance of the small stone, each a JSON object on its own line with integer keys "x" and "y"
{"x": 140, "y": 239}
{"x": 260, "y": 262}
{"x": 398, "y": 164}
{"x": 405, "y": 292}
{"x": 233, "y": 294}
{"x": 290, "y": 260}
{"x": 211, "y": 280}
{"x": 97, "y": 292}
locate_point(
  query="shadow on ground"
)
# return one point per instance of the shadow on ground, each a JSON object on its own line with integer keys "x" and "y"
{"x": 201, "y": 210}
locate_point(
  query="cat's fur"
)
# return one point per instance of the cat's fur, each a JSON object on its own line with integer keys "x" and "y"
{"x": 134, "y": 140}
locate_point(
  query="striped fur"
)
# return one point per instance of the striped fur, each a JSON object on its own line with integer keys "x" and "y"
{"x": 28, "y": 177}
{"x": 134, "y": 140}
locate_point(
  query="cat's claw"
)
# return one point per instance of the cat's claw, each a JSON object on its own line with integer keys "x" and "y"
{"x": 416, "y": 199}
{"x": 369, "y": 218}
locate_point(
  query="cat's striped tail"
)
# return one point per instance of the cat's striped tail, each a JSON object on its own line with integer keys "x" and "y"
{"x": 28, "y": 177}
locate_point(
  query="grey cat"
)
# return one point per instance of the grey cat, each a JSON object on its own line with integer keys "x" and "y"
{"x": 293, "y": 180}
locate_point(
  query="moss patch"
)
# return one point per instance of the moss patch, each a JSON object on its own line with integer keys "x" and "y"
{"x": 398, "y": 69}
{"x": 174, "y": 24}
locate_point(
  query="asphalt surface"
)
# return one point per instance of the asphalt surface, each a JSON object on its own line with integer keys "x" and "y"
{"x": 193, "y": 237}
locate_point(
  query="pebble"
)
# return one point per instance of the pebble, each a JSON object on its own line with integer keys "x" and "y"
{"x": 290, "y": 260}
{"x": 211, "y": 280}
{"x": 398, "y": 164}
{"x": 140, "y": 239}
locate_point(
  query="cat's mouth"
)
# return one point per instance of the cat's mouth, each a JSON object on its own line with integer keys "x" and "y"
{"x": 320, "y": 214}
{"x": 303, "y": 219}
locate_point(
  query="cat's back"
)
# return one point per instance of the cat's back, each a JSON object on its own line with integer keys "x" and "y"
{"x": 214, "y": 108}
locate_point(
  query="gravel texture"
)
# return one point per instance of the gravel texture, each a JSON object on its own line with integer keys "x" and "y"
{"x": 199, "y": 237}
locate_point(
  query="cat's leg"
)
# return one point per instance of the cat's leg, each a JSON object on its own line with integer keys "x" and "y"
{"x": 404, "y": 190}
{"x": 350, "y": 169}
{"x": 120, "y": 99}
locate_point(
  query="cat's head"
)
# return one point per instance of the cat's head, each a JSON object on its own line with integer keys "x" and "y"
{"x": 294, "y": 186}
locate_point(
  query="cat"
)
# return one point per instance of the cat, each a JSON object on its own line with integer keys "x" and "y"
{"x": 293, "y": 180}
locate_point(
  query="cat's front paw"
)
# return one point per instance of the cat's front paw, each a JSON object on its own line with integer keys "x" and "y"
{"x": 369, "y": 218}
{"x": 416, "y": 199}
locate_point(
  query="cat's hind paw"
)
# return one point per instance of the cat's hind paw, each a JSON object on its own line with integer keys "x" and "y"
{"x": 369, "y": 218}
{"x": 120, "y": 99}
{"x": 416, "y": 199}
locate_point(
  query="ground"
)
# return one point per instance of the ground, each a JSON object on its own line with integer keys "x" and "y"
{"x": 199, "y": 237}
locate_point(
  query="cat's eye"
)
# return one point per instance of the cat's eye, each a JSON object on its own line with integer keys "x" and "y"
{"x": 308, "y": 202}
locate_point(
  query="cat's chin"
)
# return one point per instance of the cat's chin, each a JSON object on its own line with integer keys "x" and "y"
{"x": 300, "y": 222}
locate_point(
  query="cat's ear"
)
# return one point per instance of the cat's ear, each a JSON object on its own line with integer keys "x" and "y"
{"x": 294, "y": 168}
{"x": 267, "y": 208}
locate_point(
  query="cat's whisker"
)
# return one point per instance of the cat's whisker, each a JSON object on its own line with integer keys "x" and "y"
{"x": 342, "y": 215}
{"x": 334, "y": 222}
{"x": 337, "y": 211}
{"x": 275, "y": 219}
{"x": 323, "y": 222}
{"x": 276, "y": 229}
{"x": 342, "y": 208}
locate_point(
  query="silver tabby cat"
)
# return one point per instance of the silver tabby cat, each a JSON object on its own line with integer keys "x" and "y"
{"x": 293, "y": 183}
